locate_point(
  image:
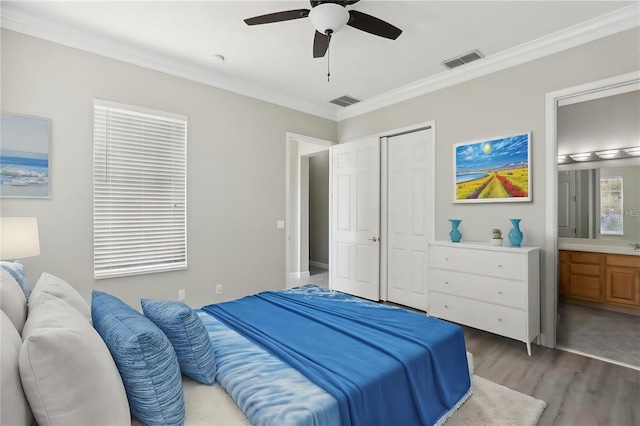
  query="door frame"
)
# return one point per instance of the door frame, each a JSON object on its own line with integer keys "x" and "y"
{"x": 290, "y": 138}
{"x": 384, "y": 191}
{"x": 548, "y": 335}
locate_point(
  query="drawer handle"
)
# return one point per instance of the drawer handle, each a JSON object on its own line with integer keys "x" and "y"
{"x": 446, "y": 258}
{"x": 446, "y": 282}
{"x": 446, "y": 306}
{"x": 499, "y": 266}
{"x": 500, "y": 319}
{"x": 499, "y": 292}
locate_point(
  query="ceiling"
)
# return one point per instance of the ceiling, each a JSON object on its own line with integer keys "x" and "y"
{"x": 274, "y": 61}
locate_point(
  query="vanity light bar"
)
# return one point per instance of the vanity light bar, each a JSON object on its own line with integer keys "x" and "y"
{"x": 635, "y": 151}
{"x": 583, "y": 156}
{"x": 608, "y": 154}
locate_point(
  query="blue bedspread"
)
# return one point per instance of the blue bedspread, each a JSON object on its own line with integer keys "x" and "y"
{"x": 384, "y": 365}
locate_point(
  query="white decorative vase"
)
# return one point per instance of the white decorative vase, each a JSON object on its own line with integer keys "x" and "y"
{"x": 496, "y": 241}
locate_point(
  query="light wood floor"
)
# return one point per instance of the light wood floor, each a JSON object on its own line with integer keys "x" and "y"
{"x": 578, "y": 390}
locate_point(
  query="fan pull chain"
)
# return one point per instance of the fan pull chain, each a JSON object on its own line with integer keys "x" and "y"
{"x": 328, "y": 63}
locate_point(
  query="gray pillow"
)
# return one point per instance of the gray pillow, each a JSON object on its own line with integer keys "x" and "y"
{"x": 67, "y": 372}
{"x": 14, "y": 408}
{"x": 12, "y": 300}
{"x": 61, "y": 289}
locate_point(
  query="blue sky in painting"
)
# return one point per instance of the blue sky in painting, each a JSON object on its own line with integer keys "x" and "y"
{"x": 492, "y": 154}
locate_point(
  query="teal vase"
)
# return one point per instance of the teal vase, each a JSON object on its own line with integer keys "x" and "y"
{"x": 455, "y": 233}
{"x": 515, "y": 235}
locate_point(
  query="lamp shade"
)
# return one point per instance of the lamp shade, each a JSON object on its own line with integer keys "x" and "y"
{"x": 19, "y": 238}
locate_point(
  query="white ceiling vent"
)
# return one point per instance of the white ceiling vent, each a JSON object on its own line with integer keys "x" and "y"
{"x": 345, "y": 101}
{"x": 474, "y": 55}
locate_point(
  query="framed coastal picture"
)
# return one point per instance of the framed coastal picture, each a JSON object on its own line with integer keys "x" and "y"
{"x": 493, "y": 170}
{"x": 24, "y": 156}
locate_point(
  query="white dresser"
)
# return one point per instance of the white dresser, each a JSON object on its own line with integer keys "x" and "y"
{"x": 496, "y": 289}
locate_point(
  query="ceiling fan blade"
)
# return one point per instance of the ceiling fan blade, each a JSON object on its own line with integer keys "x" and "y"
{"x": 286, "y": 15}
{"x": 320, "y": 44}
{"x": 373, "y": 25}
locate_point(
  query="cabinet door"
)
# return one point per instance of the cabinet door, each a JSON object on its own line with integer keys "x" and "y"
{"x": 583, "y": 287}
{"x": 622, "y": 286}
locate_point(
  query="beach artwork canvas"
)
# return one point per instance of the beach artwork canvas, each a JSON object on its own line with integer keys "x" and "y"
{"x": 493, "y": 170}
{"x": 24, "y": 156}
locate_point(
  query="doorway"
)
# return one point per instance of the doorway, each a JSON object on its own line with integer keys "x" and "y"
{"x": 584, "y": 322}
{"x": 303, "y": 235}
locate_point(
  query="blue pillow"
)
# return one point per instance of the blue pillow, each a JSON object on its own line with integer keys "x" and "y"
{"x": 187, "y": 334}
{"x": 16, "y": 269}
{"x": 145, "y": 359}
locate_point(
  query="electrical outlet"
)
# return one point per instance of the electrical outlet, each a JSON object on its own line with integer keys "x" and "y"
{"x": 219, "y": 289}
{"x": 182, "y": 294}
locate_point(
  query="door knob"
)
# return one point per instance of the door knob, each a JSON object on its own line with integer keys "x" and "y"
{"x": 374, "y": 239}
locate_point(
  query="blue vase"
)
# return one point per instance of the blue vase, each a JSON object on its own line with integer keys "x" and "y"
{"x": 455, "y": 234}
{"x": 515, "y": 235}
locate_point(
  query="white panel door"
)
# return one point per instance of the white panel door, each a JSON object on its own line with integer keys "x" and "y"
{"x": 567, "y": 204}
{"x": 409, "y": 220}
{"x": 355, "y": 218}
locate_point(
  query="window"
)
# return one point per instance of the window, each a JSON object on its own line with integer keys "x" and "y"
{"x": 611, "y": 206}
{"x": 139, "y": 190}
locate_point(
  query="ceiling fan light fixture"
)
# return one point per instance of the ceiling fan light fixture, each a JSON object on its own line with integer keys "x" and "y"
{"x": 330, "y": 17}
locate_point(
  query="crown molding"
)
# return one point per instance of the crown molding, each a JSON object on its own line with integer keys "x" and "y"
{"x": 603, "y": 26}
{"x": 612, "y": 23}
{"x": 124, "y": 52}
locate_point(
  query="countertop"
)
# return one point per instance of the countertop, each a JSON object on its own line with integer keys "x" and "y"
{"x": 596, "y": 246}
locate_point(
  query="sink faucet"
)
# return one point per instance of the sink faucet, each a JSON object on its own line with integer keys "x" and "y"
{"x": 636, "y": 246}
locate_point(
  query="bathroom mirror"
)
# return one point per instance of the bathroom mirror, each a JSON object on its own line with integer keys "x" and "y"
{"x": 600, "y": 203}
{"x": 599, "y": 199}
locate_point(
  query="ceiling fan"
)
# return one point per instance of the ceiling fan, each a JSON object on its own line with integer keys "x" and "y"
{"x": 328, "y": 17}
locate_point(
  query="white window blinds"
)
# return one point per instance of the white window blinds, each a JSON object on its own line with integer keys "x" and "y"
{"x": 139, "y": 190}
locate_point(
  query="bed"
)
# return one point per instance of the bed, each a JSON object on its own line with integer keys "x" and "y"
{"x": 305, "y": 356}
{"x": 310, "y": 356}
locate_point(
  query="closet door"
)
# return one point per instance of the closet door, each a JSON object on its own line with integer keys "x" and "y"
{"x": 409, "y": 217}
{"x": 355, "y": 218}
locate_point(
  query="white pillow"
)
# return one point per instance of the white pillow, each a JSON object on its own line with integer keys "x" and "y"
{"x": 12, "y": 300}
{"x": 68, "y": 374}
{"x": 14, "y": 408}
{"x": 61, "y": 289}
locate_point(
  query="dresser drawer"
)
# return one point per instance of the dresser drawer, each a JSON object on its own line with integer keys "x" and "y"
{"x": 497, "y": 264}
{"x": 487, "y": 289}
{"x": 500, "y": 320}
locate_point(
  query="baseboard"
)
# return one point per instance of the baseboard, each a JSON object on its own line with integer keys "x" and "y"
{"x": 318, "y": 264}
{"x": 295, "y": 275}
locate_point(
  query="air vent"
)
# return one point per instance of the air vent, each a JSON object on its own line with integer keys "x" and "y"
{"x": 345, "y": 101}
{"x": 474, "y": 55}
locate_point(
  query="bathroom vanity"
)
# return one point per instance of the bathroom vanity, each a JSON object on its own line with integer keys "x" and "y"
{"x": 605, "y": 277}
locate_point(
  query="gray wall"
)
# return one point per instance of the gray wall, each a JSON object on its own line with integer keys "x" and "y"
{"x": 236, "y": 171}
{"x": 505, "y": 102}
{"x": 599, "y": 124}
{"x": 319, "y": 207}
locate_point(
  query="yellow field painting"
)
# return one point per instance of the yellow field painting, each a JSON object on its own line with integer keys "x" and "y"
{"x": 509, "y": 183}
